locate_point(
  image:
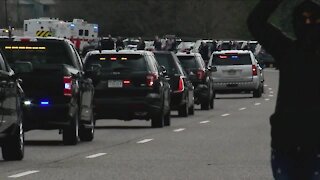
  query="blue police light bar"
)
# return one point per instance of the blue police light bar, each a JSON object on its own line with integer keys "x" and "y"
{"x": 44, "y": 102}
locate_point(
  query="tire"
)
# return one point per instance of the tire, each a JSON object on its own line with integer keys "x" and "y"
{"x": 167, "y": 119}
{"x": 205, "y": 105}
{"x": 183, "y": 110}
{"x": 70, "y": 134}
{"x": 191, "y": 110}
{"x": 13, "y": 149}
{"x": 158, "y": 121}
{"x": 257, "y": 93}
{"x": 87, "y": 133}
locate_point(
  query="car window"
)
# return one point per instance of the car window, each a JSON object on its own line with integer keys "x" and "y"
{"x": 167, "y": 61}
{"x": 2, "y": 63}
{"x": 231, "y": 59}
{"x": 118, "y": 62}
{"x": 38, "y": 53}
{"x": 189, "y": 62}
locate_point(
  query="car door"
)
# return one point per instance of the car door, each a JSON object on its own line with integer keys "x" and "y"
{"x": 86, "y": 90}
{"x": 8, "y": 96}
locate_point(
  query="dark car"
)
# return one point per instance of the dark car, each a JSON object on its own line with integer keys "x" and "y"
{"x": 11, "y": 127}
{"x": 129, "y": 85}
{"x": 58, "y": 95}
{"x": 182, "y": 90}
{"x": 200, "y": 77}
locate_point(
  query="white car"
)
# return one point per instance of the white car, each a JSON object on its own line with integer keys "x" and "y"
{"x": 236, "y": 71}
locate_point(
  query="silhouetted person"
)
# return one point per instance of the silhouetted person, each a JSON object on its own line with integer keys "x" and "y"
{"x": 295, "y": 123}
{"x": 119, "y": 43}
{"x": 108, "y": 44}
{"x": 141, "y": 45}
{"x": 157, "y": 44}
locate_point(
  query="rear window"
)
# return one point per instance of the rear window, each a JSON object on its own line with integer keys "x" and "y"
{"x": 189, "y": 62}
{"x": 118, "y": 62}
{"x": 231, "y": 59}
{"x": 167, "y": 61}
{"x": 38, "y": 53}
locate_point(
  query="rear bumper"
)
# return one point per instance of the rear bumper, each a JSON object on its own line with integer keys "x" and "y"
{"x": 177, "y": 100}
{"x": 125, "y": 108}
{"x": 48, "y": 117}
{"x": 250, "y": 85}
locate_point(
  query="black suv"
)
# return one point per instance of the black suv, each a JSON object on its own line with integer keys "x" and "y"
{"x": 200, "y": 77}
{"x": 129, "y": 85}
{"x": 182, "y": 90}
{"x": 58, "y": 95}
{"x": 11, "y": 128}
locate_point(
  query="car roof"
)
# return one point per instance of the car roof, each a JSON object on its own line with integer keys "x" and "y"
{"x": 137, "y": 52}
{"x": 33, "y": 39}
{"x": 186, "y": 54}
{"x": 233, "y": 51}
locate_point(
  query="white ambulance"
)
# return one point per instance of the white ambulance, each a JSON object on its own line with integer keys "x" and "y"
{"x": 79, "y": 31}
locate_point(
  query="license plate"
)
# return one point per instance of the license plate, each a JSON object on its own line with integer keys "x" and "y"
{"x": 115, "y": 84}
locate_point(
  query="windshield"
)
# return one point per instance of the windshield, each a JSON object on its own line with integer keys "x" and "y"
{"x": 38, "y": 53}
{"x": 231, "y": 59}
{"x": 117, "y": 62}
{"x": 167, "y": 61}
{"x": 189, "y": 62}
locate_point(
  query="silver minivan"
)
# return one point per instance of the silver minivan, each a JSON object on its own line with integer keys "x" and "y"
{"x": 236, "y": 71}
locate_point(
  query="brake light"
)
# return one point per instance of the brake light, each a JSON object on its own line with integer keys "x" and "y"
{"x": 67, "y": 81}
{"x": 151, "y": 78}
{"x": 200, "y": 74}
{"x": 126, "y": 82}
{"x": 181, "y": 85}
{"x": 254, "y": 70}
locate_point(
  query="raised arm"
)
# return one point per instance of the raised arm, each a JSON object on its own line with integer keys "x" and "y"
{"x": 270, "y": 37}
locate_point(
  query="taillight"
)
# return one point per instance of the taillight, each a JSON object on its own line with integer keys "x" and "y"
{"x": 200, "y": 74}
{"x": 254, "y": 70}
{"x": 67, "y": 81}
{"x": 180, "y": 85}
{"x": 126, "y": 83}
{"x": 151, "y": 78}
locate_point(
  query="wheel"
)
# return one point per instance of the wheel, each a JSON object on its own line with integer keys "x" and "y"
{"x": 257, "y": 93}
{"x": 205, "y": 105}
{"x": 87, "y": 133}
{"x": 13, "y": 149}
{"x": 183, "y": 110}
{"x": 191, "y": 110}
{"x": 167, "y": 119}
{"x": 70, "y": 134}
{"x": 158, "y": 121}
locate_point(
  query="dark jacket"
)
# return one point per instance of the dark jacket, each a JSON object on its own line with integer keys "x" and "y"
{"x": 296, "y": 120}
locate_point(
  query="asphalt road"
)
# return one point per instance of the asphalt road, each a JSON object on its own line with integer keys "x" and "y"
{"x": 231, "y": 142}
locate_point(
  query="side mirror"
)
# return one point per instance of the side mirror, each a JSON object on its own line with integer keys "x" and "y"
{"x": 22, "y": 67}
{"x": 212, "y": 68}
{"x": 93, "y": 70}
{"x": 164, "y": 71}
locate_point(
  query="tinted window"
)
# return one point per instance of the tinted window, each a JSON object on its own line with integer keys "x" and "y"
{"x": 231, "y": 59}
{"x": 38, "y": 53}
{"x": 118, "y": 62}
{"x": 167, "y": 61}
{"x": 189, "y": 62}
{"x": 80, "y": 32}
{"x": 86, "y": 33}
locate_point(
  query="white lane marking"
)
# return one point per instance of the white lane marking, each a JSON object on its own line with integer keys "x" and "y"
{"x": 96, "y": 155}
{"x": 257, "y": 104}
{"x": 241, "y": 109}
{"x": 204, "y": 122}
{"x": 144, "y": 141}
{"x": 265, "y": 85}
{"x": 224, "y": 115}
{"x": 267, "y": 99}
{"x": 179, "y": 130}
{"x": 270, "y": 89}
{"x": 271, "y": 92}
{"x": 270, "y": 95}
{"x": 23, "y": 174}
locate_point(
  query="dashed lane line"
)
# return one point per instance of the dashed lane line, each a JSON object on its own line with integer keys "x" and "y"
{"x": 270, "y": 95}
{"x": 267, "y": 99}
{"x": 96, "y": 155}
{"x": 224, "y": 115}
{"x": 144, "y": 141}
{"x": 179, "y": 130}
{"x": 271, "y": 92}
{"x": 243, "y": 108}
{"x": 23, "y": 174}
{"x": 257, "y": 104}
{"x": 204, "y": 122}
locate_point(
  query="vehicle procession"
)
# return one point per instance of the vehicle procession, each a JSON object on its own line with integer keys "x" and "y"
{"x": 63, "y": 76}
